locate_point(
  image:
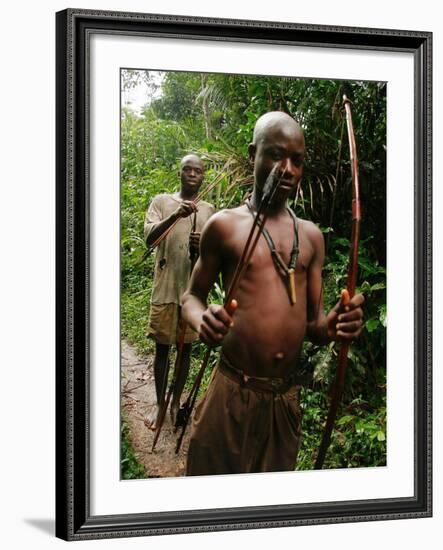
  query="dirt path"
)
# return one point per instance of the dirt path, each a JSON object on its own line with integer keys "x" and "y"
{"x": 138, "y": 400}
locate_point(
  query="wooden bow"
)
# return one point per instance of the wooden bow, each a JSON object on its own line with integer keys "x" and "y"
{"x": 338, "y": 384}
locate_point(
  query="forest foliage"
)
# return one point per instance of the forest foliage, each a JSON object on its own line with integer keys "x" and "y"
{"x": 214, "y": 115}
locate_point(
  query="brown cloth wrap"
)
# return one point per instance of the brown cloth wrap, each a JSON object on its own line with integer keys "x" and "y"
{"x": 165, "y": 325}
{"x": 245, "y": 425}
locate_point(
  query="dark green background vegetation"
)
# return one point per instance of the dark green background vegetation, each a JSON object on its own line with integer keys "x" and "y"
{"x": 214, "y": 115}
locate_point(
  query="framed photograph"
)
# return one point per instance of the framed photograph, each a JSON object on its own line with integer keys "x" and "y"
{"x": 141, "y": 99}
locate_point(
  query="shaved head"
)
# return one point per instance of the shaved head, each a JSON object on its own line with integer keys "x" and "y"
{"x": 191, "y": 157}
{"x": 275, "y": 120}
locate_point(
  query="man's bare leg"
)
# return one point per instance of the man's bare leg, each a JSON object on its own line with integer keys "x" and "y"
{"x": 161, "y": 368}
{"x": 182, "y": 375}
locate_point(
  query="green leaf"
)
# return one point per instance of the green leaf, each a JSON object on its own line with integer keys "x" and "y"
{"x": 345, "y": 420}
{"x": 372, "y": 324}
{"x": 378, "y": 286}
{"x": 365, "y": 287}
{"x": 383, "y": 315}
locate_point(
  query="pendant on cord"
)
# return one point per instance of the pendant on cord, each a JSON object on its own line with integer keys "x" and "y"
{"x": 292, "y": 293}
{"x": 288, "y": 271}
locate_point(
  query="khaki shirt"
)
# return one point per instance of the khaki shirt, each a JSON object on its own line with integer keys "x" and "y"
{"x": 172, "y": 263}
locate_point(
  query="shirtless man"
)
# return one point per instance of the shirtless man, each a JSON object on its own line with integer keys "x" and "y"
{"x": 249, "y": 418}
{"x": 171, "y": 274}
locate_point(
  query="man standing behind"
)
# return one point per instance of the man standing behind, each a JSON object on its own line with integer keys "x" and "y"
{"x": 249, "y": 418}
{"x": 172, "y": 271}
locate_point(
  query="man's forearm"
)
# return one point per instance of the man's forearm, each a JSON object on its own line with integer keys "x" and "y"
{"x": 159, "y": 228}
{"x": 192, "y": 310}
{"x": 317, "y": 332}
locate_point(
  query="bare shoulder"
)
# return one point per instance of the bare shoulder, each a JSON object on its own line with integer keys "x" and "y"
{"x": 223, "y": 223}
{"x": 311, "y": 232}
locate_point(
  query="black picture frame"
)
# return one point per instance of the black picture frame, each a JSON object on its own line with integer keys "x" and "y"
{"x": 74, "y": 521}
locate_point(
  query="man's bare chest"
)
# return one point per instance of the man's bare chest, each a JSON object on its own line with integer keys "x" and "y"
{"x": 282, "y": 250}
